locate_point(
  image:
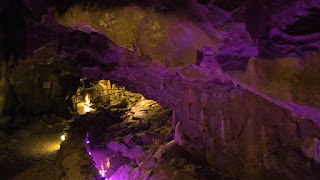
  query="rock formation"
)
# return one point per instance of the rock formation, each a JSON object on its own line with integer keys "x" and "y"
{"x": 246, "y": 104}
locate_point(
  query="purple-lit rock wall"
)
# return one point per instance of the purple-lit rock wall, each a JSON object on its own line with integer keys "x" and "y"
{"x": 237, "y": 131}
{"x": 241, "y": 133}
{"x": 284, "y": 27}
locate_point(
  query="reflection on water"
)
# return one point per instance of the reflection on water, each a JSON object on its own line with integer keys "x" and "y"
{"x": 106, "y": 161}
{"x": 99, "y": 156}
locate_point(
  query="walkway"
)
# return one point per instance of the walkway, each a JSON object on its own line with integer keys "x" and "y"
{"x": 29, "y": 152}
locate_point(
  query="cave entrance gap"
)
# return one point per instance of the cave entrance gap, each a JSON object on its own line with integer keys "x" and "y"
{"x": 121, "y": 125}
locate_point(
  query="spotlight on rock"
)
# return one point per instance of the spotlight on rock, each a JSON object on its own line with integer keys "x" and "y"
{"x": 63, "y": 137}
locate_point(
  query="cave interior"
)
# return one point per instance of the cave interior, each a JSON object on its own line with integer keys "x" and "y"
{"x": 159, "y": 89}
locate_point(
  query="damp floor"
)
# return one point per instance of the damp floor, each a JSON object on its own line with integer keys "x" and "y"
{"x": 28, "y": 152}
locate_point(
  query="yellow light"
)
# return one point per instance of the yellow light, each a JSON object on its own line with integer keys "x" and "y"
{"x": 87, "y": 104}
{"x": 87, "y": 109}
{"x": 108, "y": 164}
{"x": 87, "y": 100}
{"x": 63, "y": 137}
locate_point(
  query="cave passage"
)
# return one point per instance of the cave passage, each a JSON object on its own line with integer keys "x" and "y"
{"x": 92, "y": 94}
{"x": 121, "y": 126}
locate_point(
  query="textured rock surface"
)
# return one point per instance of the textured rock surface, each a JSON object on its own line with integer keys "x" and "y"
{"x": 73, "y": 161}
{"x": 284, "y": 28}
{"x": 6, "y": 97}
{"x": 287, "y": 79}
{"x": 241, "y": 133}
{"x": 51, "y": 80}
{"x": 54, "y": 51}
{"x": 153, "y": 155}
{"x": 132, "y": 150}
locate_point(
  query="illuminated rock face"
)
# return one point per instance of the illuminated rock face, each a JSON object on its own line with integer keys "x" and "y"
{"x": 238, "y": 132}
{"x": 241, "y": 133}
{"x": 164, "y": 38}
{"x": 286, "y": 79}
{"x": 235, "y": 130}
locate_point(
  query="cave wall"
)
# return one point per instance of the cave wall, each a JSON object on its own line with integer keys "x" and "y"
{"x": 51, "y": 55}
{"x": 277, "y": 28}
{"x": 168, "y": 38}
{"x": 236, "y": 31}
{"x": 43, "y": 86}
{"x": 241, "y": 133}
{"x": 37, "y": 86}
{"x": 244, "y": 134}
{"x": 284, "y": 27}
{"x": 287, "y": 79}
{"x": 6, "y": 98}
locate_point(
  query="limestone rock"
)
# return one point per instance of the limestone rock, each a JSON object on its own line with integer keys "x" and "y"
{"x": 286, "y": 30}
{"x": 232, "y": 62}
{"x": 122, "y": 103}
{"x": 285, "y": 79}
{"x": 117, "y": 147}
{"x": 134, "y": 152}
{"x": 168, "y": 151}
{"x": 73, "y": 161}
{"x": 221, "y": 120}
{"x": 164, "y": 171}
{"x": 229, "y": 126}
{"x": 42, "y": 87}
{"x": 124, "y": 172}
{"x": 147, "y": 138}
{"x": 132, "y": 140}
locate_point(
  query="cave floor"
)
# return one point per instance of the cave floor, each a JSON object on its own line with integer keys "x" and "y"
{"x": 29, "y": 151}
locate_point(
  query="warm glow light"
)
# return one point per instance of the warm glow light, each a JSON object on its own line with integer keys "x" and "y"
{"x": 87, "y": 100}
{"x": 63, "y": 137}
{"x": 87, "y": 108}
{"x": 108, "y": 164}
{"x": 52, "y": 147}
{"x": 102, "y": 163}
{"x": 104, "y": 166}
{"x": 87, "y": 104}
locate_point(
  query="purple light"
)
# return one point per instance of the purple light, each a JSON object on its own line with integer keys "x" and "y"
{"x": 101, "y": 162}
{"x": 88, "y": 141}
{"x": 103, "y": 172}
